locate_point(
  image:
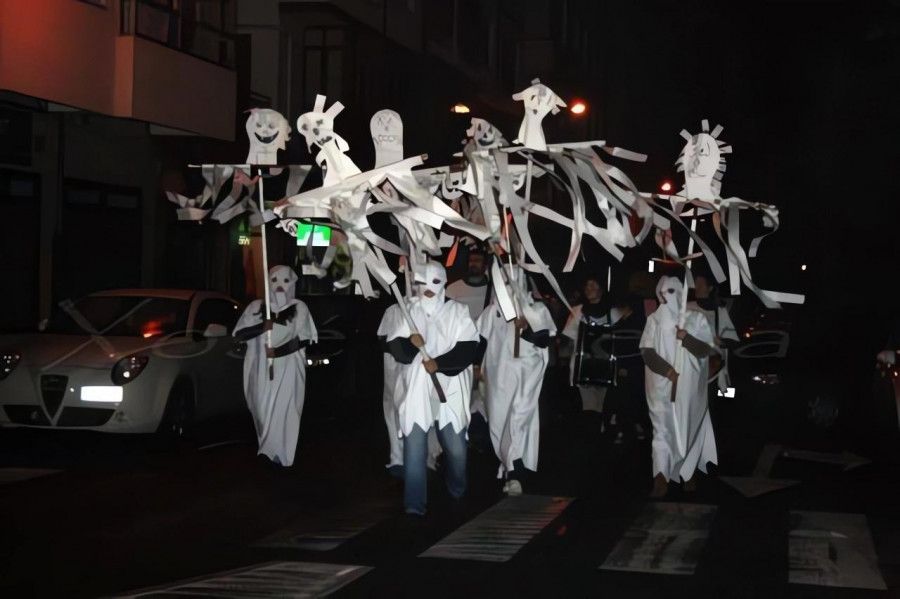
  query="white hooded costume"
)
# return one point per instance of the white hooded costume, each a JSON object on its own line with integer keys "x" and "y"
{"x": 720, "y": 322}
{"x": 276, "y": 404}
{"x": 390, "y": 321}
{"x": 687, "y": 419}
{"x": 442, "y": 324}
{"x": 513, "y": 384}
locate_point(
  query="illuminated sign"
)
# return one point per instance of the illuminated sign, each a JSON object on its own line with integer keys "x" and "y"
{"x": 243, "y": 240}
{"x": 321, "y": 235}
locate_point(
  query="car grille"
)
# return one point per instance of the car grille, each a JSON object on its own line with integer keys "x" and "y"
{"x": 32, "y": 415}
{"x": 84, "y": 417}
{"x": 53, "y": 389}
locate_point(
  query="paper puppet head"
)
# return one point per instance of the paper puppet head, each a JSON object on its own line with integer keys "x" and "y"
{"x": 484, "y": 135}
{"x": 435, "y": 279}
{"x": 703, "y": 162}
{"x": 387, "y": 135}
{"x": 317, "y": 126}
{"x": 539, "y": 100}
{"x": 268, "y": 132}
{"x": 668, "y": 292}
{"x": 282, "y": 287}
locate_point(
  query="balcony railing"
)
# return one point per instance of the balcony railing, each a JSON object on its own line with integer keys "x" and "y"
{"x": 167, "y": 26}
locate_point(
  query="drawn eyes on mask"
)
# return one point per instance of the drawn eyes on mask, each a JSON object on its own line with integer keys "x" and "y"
{"x": 670, "y": 291}
{"x": 436, "y": 281}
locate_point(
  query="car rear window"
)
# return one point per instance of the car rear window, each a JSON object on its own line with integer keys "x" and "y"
{"x": 120, "y": 316}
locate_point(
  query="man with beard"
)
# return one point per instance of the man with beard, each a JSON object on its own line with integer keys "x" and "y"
{"x": 448, "y": 335}
{"x": 275, "y": 394}
{"x": 683, "y": 439}
{"x": 473, "y": 290}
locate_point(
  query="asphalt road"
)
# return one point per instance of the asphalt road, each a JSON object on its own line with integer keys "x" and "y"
{"x": 107, "y": 516}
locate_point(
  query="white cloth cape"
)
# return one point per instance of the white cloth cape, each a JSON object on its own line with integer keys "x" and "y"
{"x": 417, "y": 399}
{"x": 391, "y": 321}
{"x": 277, "y": 404}
{"x": 726, "y": 330}
{"x": 513, "y": 385}
{"x": 474, "y": 297}
{"x": 691, "y": 402}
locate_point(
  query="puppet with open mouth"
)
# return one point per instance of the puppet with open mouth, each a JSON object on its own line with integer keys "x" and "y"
{"x": 268, "y": 132}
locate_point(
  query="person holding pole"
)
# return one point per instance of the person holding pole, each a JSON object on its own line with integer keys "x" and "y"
{"x": 275, "y": 364}
{"x": 683, "y": 439}
{"x": 443, "y": 329}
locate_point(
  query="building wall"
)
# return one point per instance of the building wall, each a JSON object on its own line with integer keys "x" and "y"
{"x": 71, "y": 53}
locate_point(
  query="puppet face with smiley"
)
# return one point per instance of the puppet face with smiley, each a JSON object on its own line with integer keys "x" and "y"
{"x": 268, "y": 132}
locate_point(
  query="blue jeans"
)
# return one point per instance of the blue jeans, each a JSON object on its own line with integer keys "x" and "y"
{"x": 415, "y": 468}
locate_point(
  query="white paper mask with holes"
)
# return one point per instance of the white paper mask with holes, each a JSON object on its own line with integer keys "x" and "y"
{"x": 317, "y": 128}
{"x": 282, "y": 287}
{"x": 268, "y": 132}
{"x": 387, "y": 135}
{"x": 703, "y": 162}
{"x": 539, "y": 100}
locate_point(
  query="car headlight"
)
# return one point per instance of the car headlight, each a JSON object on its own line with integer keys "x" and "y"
{"x": 8, "y": 363}
{"x": 128, "y": 369}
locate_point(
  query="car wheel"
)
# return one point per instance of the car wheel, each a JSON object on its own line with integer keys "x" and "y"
{"x": 178, "y": 418}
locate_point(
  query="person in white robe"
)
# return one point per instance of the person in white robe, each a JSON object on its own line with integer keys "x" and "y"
{"x": 392, "y": 318}
{"x": 473, "y": 290}
{"x": 725, "y": 333}
{"x": 276, "y": 401}
{"x": 683, "y": 439}
{"x": 513, "y": 383}
{"x": 448, "y": 335}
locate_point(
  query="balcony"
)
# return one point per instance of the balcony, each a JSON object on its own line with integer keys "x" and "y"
{"x": 174, "y": 71}
{"x": 151, "y": 20}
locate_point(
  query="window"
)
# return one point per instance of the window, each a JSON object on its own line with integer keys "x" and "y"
{"x": 216, "y": 311}
{"x": 323, "y": 62}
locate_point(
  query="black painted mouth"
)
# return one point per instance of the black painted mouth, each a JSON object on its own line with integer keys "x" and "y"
{"x": 266, "y": 140}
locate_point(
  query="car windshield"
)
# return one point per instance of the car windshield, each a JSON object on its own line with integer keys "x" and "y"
{"x": 120, "y": 316}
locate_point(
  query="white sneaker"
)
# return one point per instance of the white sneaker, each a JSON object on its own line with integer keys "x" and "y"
{"x": 513, "y": 488}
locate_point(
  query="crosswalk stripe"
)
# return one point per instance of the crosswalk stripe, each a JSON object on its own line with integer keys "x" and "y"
{"x": 500, "y": 532}
{"x": 288, "y": 580}
{"x": 835, "y": 550}
{"x": 665, "y": 538}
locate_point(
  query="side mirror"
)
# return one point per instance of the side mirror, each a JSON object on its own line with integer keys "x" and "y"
{"x": 216, "y": 330}
{"x": 42, "y": 325}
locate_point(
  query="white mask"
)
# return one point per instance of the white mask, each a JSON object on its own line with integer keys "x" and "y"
{"x": 268, "y": 132}
{"x": 435, "y": 279}
{"x": 668, "y": 292}
{"x": 387, "y": 135}
{"x": 282, "y": 287}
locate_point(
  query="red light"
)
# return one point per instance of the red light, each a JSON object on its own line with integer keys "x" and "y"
{"x": 578, "y": 107}
{"x": 666, "y": 186}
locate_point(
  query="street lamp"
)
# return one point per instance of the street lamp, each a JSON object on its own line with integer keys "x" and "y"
{"x": 578, "y": 108}
{"x": 666, "y": 186}
{"x": 460, "y": 108}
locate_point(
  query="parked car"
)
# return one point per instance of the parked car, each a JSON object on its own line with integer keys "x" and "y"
{"x": 125, "y": 361}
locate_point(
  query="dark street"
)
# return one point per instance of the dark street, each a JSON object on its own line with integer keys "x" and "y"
{"x": 110, "y": 516}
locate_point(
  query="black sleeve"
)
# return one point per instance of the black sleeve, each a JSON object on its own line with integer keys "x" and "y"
{"x": 402, "y": 349}
{"x": 383, "y": 344}
{"x": 457, "y": 359}
{"x": 695, "y": 346}
{"x": 482, "y": 347}
{"x": 655, "y": 362}
{"x": 248, "y": 333}
{"x": 538, "y": 339}
{"x": 304, "y": 343}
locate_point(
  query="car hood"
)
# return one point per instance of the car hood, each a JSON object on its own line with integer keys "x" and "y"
{"x": 40, "y": 350}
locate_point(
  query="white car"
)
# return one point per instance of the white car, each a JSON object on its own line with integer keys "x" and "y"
{"x": 125, "y": 361}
